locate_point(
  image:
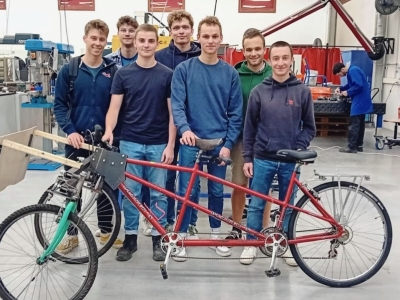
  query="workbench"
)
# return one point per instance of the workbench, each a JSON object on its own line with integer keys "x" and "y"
{"x": 328, "y": 107}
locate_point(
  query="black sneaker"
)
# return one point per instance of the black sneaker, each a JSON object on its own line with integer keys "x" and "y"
{"x": 347, "y": 150}
{"x": 235, "y": 234}
{"x": 360, "y": 149}
{"x": 158, "y": 253}
{"x": 129, "y": 247}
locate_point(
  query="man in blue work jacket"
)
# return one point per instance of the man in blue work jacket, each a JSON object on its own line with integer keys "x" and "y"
{"x": 358, "y": 90}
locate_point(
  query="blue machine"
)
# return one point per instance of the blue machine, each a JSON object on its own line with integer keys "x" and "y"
{"x": 45, "y": 60}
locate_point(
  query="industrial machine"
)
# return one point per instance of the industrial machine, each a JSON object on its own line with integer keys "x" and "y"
{"x": 376, "y": 48}
{"x": 44, "y": 61}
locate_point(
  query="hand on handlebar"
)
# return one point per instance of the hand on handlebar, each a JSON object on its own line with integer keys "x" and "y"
{"x": 108, "y": 137}
{"x": 75, "y": 140}
{"x": 224, "y": 153}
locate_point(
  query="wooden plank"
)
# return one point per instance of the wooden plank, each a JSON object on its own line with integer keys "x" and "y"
{"x": 61, "y": 139}
{"x": 40, "y": 153}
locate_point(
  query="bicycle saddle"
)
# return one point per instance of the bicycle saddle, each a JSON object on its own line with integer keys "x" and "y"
{"x": 298, "y": 155}
{"x": 207, "y": 145}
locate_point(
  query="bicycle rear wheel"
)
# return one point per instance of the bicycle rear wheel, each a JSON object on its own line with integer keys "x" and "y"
{"x": 107, "y": 203}
{"x": 354, "y": 258}
{"x": 21, "y": 272}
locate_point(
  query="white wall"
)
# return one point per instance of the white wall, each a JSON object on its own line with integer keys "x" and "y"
{"x": 363, "y": 13}
{"x": 42, "y": 16}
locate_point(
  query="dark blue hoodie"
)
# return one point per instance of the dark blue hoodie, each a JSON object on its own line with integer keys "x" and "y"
{"x": 90, "y": 98}
{"x": 279, "y": 116}
{"x": 171, "y": 56}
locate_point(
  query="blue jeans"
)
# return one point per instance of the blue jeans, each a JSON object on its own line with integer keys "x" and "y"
{"x": 170, "y": 186}
{"x": 157, "y": 176}
{"x": 263, "y": 174}
{"x": 187, "y": 157}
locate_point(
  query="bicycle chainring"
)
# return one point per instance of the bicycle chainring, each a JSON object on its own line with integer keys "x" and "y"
{"x": 171, "y": 239}
{"x": 274, "y": 237}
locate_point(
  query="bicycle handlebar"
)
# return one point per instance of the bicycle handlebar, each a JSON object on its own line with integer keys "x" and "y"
{"x": 217, "y": 159}
{"x": 95, "y": 138}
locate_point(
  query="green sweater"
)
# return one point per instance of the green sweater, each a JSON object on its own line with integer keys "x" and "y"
{"x": 249, "y": 79}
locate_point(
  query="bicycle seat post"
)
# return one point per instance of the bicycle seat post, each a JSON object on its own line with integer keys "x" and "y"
{"x": 198, "y": 156}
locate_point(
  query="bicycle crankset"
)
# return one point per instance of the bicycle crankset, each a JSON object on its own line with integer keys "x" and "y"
{"x": 170, "y": 240}
{"x": 274, "y": 237}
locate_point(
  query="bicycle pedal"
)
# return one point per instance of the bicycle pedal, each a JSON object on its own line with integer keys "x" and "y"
{"x": 163, "y": 269}
{"x": 273, "y": 273}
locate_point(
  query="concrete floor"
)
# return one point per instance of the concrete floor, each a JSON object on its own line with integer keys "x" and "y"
{"x": 140, "y": 277}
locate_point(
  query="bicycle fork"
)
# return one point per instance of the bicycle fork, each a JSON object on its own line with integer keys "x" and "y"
{"x": 62, "y": 220}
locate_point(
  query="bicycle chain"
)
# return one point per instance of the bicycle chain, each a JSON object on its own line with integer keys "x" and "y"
{"x": 257, "y": 257}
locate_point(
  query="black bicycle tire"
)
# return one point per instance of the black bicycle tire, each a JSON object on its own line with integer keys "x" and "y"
{"x": 369, "y": 273}
{"x": 110, "y": 194}
{"x": 85, "y": 231}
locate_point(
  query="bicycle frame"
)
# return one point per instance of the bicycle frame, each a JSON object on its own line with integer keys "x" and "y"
{"x": 195, "y": 171}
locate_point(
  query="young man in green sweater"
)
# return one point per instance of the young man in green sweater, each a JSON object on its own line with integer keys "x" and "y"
{"x": 252, "y": 71}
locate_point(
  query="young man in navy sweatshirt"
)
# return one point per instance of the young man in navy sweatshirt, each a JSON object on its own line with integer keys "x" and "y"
{"x": 180, "y": 49}
{"x": 83, "y": 108}
{"x": 206, "y": 103}
{"x": 280, "y": 115}
{"x": 141, "y": 101}
{"x": 358, "y": 89}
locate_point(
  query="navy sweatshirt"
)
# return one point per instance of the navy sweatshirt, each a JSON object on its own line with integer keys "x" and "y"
{"x": 207, "y": 99}
{"x": 90, "y": 98}
{"x": 171, "y": 56}
{"x": 279, "y": 116}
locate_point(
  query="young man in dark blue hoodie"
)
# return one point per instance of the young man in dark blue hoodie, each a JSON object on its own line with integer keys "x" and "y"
{"x": 181, "y": 48}
{"x": 280, "y": 115}
{"x": 79, "y": 110}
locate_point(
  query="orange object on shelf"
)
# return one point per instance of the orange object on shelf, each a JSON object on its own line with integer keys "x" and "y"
{"x": 300, "y": 76}
{"x": 320, "y": 92}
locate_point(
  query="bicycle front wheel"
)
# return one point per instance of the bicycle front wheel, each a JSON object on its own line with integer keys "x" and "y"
{"x": 93, "y": 205}
{"x": 23, "y": 274}
{"x": 360, "y": 253}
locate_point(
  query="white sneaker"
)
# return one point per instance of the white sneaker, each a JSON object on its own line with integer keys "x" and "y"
{"x": 290, "y": 261}
{"x": 220, "y": 250}
{"x": 248, "y": 255}
{"x": 146, "y": 225}
{"x": 97, "y": 233}
{"x": 181, "y": 256}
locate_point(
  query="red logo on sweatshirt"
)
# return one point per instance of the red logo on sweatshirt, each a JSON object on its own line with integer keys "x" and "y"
{"x": 108, "y": 75}
{"x": 291, "y": 102}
